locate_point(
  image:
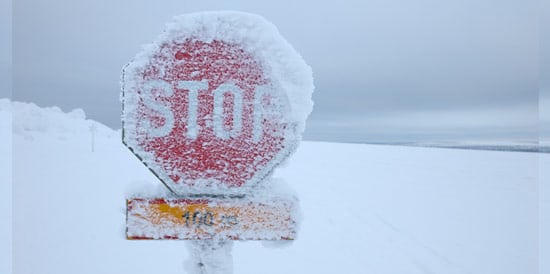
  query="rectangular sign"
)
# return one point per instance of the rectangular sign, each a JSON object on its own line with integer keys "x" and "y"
{"x": 212, "y": 218}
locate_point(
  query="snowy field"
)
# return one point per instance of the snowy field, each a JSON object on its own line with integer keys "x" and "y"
{"x": 5, "y": 186}
{"x": 367, "y": 208}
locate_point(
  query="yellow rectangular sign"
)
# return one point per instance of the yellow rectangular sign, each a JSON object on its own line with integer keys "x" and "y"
{"x": 212, "y": 218}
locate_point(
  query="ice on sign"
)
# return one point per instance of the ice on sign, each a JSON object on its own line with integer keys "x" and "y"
{"x": 215, "y": 103}
{"x": 211, "y": 218}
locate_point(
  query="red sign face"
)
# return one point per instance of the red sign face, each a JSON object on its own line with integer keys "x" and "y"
{"x": 205, "y": 117}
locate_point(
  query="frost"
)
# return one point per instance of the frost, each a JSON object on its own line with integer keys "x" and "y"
{"x": 215, "y": 103}
{"x": 146, "y": 189}
{"x": 210, "y": 257}
{"x": 208, "y": 218}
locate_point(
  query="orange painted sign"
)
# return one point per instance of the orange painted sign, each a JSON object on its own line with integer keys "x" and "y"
{"x": 213, "y": 218}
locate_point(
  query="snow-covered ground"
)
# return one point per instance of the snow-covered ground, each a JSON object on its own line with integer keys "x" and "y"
{"x": 544, "y": 211}
{"x": 5, "y": 186}
{"x": 367, "y": 208}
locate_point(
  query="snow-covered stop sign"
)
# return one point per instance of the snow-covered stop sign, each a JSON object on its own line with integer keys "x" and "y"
{"x": 215, "y": 103}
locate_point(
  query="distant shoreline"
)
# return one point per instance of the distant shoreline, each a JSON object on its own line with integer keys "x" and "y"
{"x": 533, "y": 148}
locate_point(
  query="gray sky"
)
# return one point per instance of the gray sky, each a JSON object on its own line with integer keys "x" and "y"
{"x": 384, "y": 70}
{"x": 5, "y": 49}
{"x": 544, "y": 99}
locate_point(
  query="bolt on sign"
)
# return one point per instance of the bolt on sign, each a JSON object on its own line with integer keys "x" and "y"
{"x": 212, "y": 107}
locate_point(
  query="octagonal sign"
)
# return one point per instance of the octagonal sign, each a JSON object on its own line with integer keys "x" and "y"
{"x": 215, "y": 103}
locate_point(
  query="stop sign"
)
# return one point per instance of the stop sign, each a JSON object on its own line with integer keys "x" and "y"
{"x": 215, "y": 103}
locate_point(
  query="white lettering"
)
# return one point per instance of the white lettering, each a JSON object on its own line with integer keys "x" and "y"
{"x": 163, "y": 89}
{"x": 219, "y": 129}
{"x": 261, "y": 109}
{"x": 193, "y": 103}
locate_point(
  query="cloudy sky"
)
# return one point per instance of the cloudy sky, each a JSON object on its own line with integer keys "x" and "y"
{"x": 544, "y": 77}
{"x": 5, "y": 49}
{"x": 384, "y": 70}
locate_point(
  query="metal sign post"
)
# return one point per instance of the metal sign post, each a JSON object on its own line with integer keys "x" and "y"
{"x": 212, "y": 257}
{"x": 212, "y": 107}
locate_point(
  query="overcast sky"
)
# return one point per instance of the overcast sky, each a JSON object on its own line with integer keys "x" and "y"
{"x": 5, "y": 49}
{"x": 544, "y": 78}
{"x": 384, "y": 70}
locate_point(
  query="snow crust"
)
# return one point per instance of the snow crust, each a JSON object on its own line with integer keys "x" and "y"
{"x": 174, "y": 100}
{"x": 5, "y": 186}
{"x": 258, "y": 37}
{"x": 368, "y": 208}
{"x": 245, "y": 218}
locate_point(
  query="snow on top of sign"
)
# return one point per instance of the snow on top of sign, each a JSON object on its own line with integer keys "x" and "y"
{"x": 258, "y": 37}
{"x": 172, "y": 87}
{"x": 261, "y": 38}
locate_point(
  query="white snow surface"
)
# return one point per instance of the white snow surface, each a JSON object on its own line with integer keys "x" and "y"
{"x": 5, "y": 186}
{"x": 367, "y": 208}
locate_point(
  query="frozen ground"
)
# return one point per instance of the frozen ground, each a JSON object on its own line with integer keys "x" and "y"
{"x": 5, "y": 186}
{"x": 367, "y": 208}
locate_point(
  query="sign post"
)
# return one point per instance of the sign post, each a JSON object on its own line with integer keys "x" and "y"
{"x": 212, "y": 107}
